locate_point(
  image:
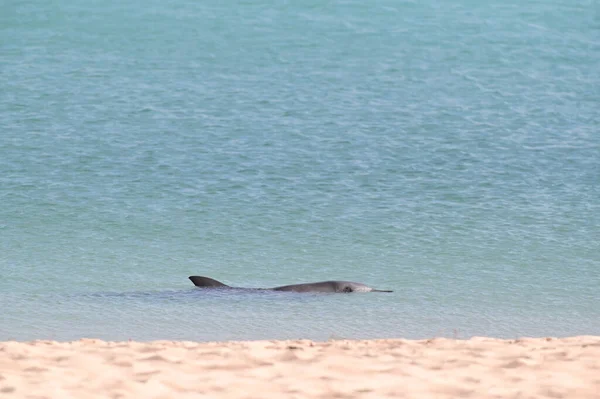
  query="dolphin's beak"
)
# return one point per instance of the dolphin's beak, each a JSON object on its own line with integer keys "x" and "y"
{"x": 382, "y": 291}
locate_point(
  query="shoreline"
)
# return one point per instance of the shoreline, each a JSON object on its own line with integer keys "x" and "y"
{"x": 478, "y": 367}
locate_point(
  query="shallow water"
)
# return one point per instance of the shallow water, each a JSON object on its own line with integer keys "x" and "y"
{"x": 449, "y": 152}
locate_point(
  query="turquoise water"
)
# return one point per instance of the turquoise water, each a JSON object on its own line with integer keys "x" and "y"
{"x": 450, "y": 152}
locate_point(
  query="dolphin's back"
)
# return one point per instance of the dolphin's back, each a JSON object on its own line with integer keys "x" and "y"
{"x": 329, "y": 286}
{"x": 200, "y": 281}
{"x": 323, "y": 286}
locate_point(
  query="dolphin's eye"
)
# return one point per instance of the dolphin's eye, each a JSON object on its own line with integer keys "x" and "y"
{"x": 347, "y": 289}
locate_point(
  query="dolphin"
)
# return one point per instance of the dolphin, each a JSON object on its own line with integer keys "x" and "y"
{"x": 322, "y": 286}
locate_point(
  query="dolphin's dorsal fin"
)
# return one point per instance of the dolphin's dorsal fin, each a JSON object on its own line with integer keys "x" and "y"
{"x": 200, "y": 281}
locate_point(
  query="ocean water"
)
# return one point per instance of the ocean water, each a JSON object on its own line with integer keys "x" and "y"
{"x": 449, "y": 151}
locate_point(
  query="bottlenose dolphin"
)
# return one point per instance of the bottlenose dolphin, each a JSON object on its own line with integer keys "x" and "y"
{"x": 323, "y": 286}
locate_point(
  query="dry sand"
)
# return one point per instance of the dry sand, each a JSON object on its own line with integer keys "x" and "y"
{"x": 438, "y": 368}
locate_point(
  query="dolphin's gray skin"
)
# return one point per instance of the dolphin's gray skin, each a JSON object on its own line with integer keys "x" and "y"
{"x": 200, "y": 281}
{"x": 323, "y": 286}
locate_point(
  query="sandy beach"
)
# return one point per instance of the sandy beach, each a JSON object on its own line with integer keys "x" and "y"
{"x": 436, "y": 368}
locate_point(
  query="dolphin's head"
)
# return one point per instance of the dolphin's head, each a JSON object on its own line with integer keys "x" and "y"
{"x": 348, "y": 286}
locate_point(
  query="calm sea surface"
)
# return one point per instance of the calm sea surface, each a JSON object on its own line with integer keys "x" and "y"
{"x": 449, "y": 151}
